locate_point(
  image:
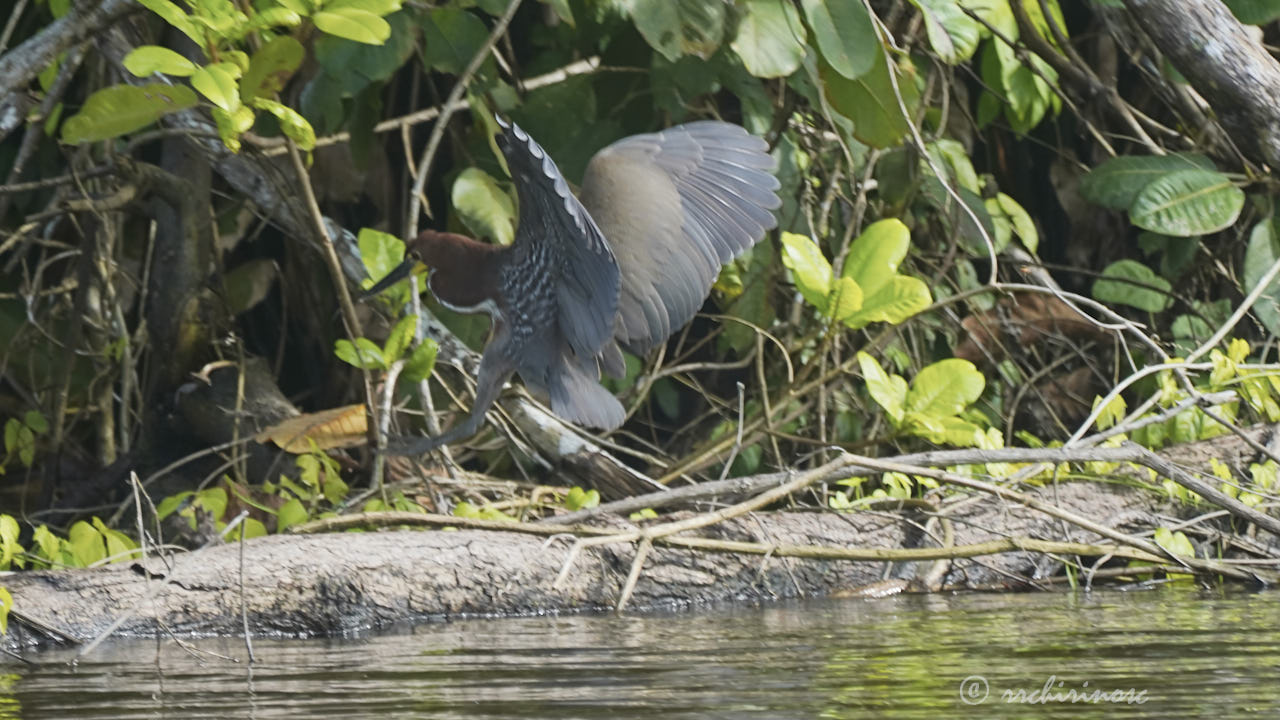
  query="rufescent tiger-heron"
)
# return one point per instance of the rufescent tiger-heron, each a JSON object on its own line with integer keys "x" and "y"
{"x": 623, "y": 266}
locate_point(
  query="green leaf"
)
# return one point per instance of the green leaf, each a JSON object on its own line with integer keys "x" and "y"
{"x": 844, "y": 33}
{"x": 291, "y": 513}
{"x": 253, "y": 528}
{"x": 119, "y": 545}
{"x": 1116, "y": 183}
{"x": 1254, "y": 12}
{"x": 421, "y": 361}
{"x": 171, "y": 503}
{"x": 484, "y": 206}
{"x": 353, "y": 24}
{"x": 902, "y": 297}
{"x": 34, "y": 420}
{"x": 218, "y": 83}
{"x": 377, "y": 7}
{"x": 845, "y": 299}
{"x": 1262, "y": 252}
{"x": 363, "y": 354}
{"x": 399, "y": 338}
{"x": 889, "y": 391}
{"x": 770, "y": 38}
{"x": 945, "y": 388}
{"x": 86, "y": 544}
{"x": 953, "y": 34}
{"x": 1022, "y": 224}
{"x": 579, "y": 499}
{"x": 679, "y": 27}
{"x": 271, "y": 67}
{"x": 9, "y": 546}
{"x": 1175, "y": 542}
{"x": 1129, "y": 282}
{"x": 294, "y": 126}
{"x": 6, "y": 604}
{"x": 50, "y": 546}
{"x": 380, "y": 252}
{"x": 174, "y": 15}
{"x": 120, "y": 109}
{"x": 213, "y": 500}
{"x": 450, "y": 38}
{"x": 147, "y": 59}
{"x": 809, "y": 268}
{"x": 951, "y": 153}
{"x": 869, "y": 100}
{"x": 1186, "y": 203}
{"x": 874, "y": 255}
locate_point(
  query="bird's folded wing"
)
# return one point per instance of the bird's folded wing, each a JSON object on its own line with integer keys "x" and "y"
{"x": 676, "y": 206}
{"x": 553, "y": 221}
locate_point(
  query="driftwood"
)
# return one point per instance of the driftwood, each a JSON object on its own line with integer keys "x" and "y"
{"x": 340, "y": 582}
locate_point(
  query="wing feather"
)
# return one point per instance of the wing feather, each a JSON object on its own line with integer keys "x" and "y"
{"x": 676, "y": 206}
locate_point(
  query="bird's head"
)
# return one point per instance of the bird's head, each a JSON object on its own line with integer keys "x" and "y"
{"x": 459, "y": 268}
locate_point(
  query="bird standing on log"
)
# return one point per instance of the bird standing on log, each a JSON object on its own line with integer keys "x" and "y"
{"x": 621, "y": 267}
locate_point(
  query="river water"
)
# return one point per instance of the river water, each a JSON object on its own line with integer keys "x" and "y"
{"x": 1158, "y": 653}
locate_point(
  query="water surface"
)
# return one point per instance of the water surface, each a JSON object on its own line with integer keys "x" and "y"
{"x": 1162, "y": 653}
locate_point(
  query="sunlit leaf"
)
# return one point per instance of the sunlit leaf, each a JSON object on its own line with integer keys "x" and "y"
{"x": 874, "y": 255}
{"x": 810, "y": 269}
{"x": 770, "y": 38}
{"x": 870, "y": 101}
{"x": 889, "y": 391}
{"x": 952, "y": 33}
{"x": 902, "y": 297}
{"x": 679, "y": 27}
{"x": 344, "y": 426}
{"x": 945, "y": 388}
{"x": 217, "y": 82}
{"x": 353, "y": 24}
{"x": 271, "y": 67}
{"x": 293, "y": 125}
{"x": 845, "y": 299}
{"x": 484, "y": 206}
{"x": 147, "y": 59}
{"x": 175, "y": 16}
{"x": 120, "y": 109}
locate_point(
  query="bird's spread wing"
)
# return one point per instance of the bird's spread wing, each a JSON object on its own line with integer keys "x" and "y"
{"x": 552, "y": 221}
{"x": 676, "y": 206}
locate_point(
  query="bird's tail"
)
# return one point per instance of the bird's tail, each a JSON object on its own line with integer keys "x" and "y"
{"x": 577, "y": 396}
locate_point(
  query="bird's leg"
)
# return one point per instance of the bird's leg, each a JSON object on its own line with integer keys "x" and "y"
{"x": 489, "y": 381}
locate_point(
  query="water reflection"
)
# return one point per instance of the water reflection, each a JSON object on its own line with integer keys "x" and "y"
{"x": 902, "y": 657}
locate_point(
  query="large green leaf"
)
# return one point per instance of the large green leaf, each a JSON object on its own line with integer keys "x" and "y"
{"x": 114, "y": 111}
{"x": 679, "y": 27}
{"x": 353, "y": 24}
{"x": 952, "y": 33}
{"x": 381, "y": 252}
{"x": 1262, "y": 253}
{"x": 1186, "y": 203}
{"x": 899, "y": 299}
{"x": 844, "y": 33}
{"x": 809, "y": 268}
{"x": 1129, "y": 282}
{"x": 450, "y": 39}
{"x": 271, "y": 67}
{"x": 1116, "y": 183}
{"x": 176, "y": 17}
{"x": 869, "y": 100}
{"x": 292, "y": 124}
{"x": 218, "y": 83}
{"x": 874, "y": 256}
{"x": 147, "y": 59}
{"x": 484, "y": 206}
{"x": 845, "y": 299}
{"x": 889, "y": 391}
{"x": 770, "y": 38}
{"x": 945, "y": 388}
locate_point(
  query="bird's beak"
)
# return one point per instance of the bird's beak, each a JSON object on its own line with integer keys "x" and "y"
{"x": 401, "y": 271}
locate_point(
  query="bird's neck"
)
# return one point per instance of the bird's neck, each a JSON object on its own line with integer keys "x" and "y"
{"x": 464, "y": 273}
